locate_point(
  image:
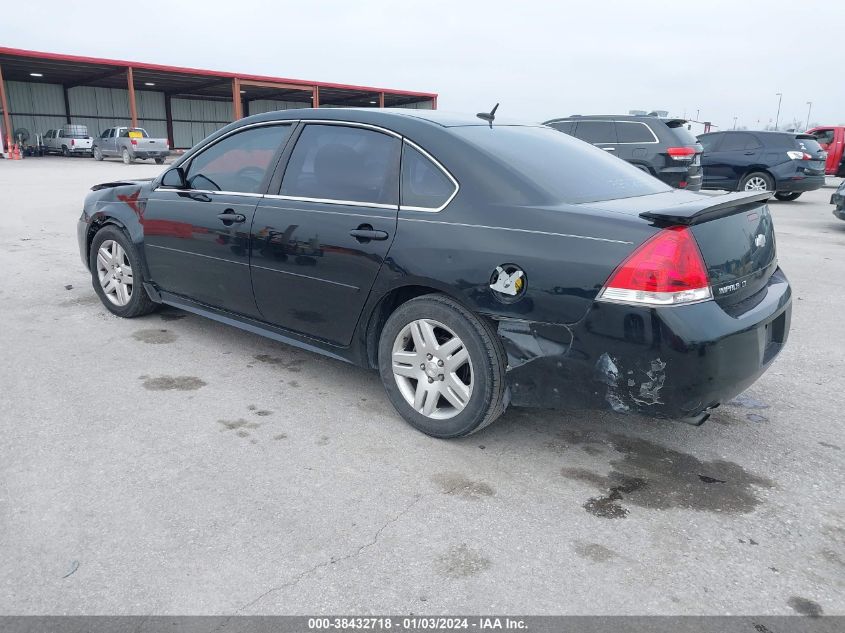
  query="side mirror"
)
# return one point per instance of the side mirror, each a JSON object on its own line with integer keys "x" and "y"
{"x": 175, "y": 178}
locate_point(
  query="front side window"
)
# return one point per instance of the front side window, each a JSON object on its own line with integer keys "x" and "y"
{"x": 424, "y": 185}
{"x": 596, "y": 131}
{"x": 344, "y": 163}
{"x": 238, "y": 162}
{"x": 105, "y": 134}
{"x": 824, "y": 137}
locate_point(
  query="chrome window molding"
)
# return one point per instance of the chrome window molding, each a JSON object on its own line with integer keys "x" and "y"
{"x": 352, "y": 124}
{"x": 347, "y": 203}
{"x": 445, "y": 171}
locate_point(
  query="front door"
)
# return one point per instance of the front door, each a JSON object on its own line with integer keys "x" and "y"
{"x": 319, "y": 241}
{"x": 736, "y": 153}
{"x": 196, "y": 239}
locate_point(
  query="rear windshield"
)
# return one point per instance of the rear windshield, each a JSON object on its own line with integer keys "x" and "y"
{"x": 134, "y": 132}
{"x": 71, "y": 133}
{"x": 684, "y": 136}
{"x": 569, "y": 170}
{"x": 808, "y": 144}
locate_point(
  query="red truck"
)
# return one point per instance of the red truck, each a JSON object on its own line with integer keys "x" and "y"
{"x": 832, "y": 140}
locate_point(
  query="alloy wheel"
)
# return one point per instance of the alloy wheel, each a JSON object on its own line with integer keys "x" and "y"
{"x": 114, "y": 272}
{"x": 756, "y": 184}
{"x": 432, "y": 369}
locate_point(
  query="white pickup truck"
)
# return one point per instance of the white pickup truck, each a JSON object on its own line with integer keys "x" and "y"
{"x": 130, "y": 143}
{"x": 67, "y": 140}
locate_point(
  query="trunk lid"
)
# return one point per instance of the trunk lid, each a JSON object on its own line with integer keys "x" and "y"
{"x": 734, "y": 233}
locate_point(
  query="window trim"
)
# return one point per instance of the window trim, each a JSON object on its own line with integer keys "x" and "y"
{"x": 445, "y": 171}
{"x": 614, "y": 121}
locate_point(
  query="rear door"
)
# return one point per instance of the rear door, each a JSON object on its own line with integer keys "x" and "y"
{"x": 602, "y": 134}
{"x": 635, "y": 142}
{"x": 730, "y": 161}
{"x": 320, "y": 236}
{"x": 196, "y": 239}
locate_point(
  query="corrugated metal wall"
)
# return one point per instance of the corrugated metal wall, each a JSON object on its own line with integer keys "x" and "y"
{"x": 259, "y": 106}
{"x": 194, "y": 119}
{"x": 36, "y": 107}
{"x": 101, "y": 108}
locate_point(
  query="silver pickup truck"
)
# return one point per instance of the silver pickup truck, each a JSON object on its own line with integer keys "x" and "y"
{"x": 130, "y": 143}
{"x": 68, "y": 140}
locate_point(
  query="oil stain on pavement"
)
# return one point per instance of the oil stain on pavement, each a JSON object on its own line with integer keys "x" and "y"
{"x": 290, "y": 364}
{"x": 461, "y": 561}
{"x": 154, "y": 337}
{"x": 594, "y": 551}
{"x": 173, "y": 383}
{"x": 457, "y": 484}
{"x": 652, "y": 476}
{"x": 805, "y": 606}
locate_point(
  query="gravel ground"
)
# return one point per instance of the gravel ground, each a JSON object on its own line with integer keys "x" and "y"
{"x": 173, "y": 465}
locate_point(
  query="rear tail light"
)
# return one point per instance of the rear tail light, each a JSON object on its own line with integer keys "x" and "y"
{"x": 133, "y": 141}
{"x": 665, "y": 270}
{"x": 796, "y": 155}
{"x": 72, "y": 142}
{"x": 681, "y": 153}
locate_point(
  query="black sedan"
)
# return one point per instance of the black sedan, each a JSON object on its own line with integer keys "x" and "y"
{"x": 838, "y": 201}
{"x": 474, "y": 263}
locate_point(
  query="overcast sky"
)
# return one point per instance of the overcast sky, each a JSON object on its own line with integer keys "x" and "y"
{"x": 539, "y": 59}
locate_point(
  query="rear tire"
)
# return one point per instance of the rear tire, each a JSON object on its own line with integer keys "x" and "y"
{"x": 787, "y": 197}
{"x": 442, "y": 367}
{"x": 127, "y": 157}
{"x": 159, "y": 161}
{"x": 65, "y": 152}
{"x": 117, "y": 275}
{"x": 757, "y": 181}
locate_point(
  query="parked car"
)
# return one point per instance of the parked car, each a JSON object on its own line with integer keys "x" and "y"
{"x": 784, "y": 162}
{"x": 832, "y": 140}
{"x": 473, "y": 264}
{"x": 838, "y": 201}
{"x": 70, "y": 140}
{"x": 659, "y": 146}
{"x": 130, "y": 143}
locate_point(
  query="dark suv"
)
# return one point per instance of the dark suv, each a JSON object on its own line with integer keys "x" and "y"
{"x": 785, "y": 162}
{"x": 661, "y": 147}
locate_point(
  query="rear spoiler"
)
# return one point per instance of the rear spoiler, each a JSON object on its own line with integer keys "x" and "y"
{"x": 707, "y": 208}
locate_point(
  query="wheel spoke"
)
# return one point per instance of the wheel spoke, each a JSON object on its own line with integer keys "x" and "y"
{"x": 120, "y": 292}
{"x": 109, "y": 286}
{"x": 457, "y": 359}
{"x": 449, "y": 347}
{"x": 417, "y": 335}
{"x": 431, "y": 398}
{"x": 455, "y": 391}
{"x": 104, "y": 257}
{"x": 408, "y": 371}
{"x": 428, "y": 334}
{"x": 420, "y": 394}
{"x": 127, "y": 275}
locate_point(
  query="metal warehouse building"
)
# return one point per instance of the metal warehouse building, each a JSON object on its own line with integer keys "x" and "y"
{"x": 42, "y": 91}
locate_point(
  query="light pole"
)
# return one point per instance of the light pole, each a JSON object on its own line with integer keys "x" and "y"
{"x": 809, "y": 109}
{"x": 779, "y": 95}
{"x": 734, "y": 122}
{"x": 696, "y": 113}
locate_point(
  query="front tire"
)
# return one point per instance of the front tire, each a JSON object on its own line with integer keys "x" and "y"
{"x": 757, "y": 181}
{"x": 442, "y": 367}
{"x": 787, "y": 197}
{"x": 116, "y": 274}
{"x": 159, "y": 161}
{"x": 98, "y": 155}
{"x": 127, "y": 157}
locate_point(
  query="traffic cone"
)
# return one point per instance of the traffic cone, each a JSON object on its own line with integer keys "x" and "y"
{"x": 16, "y": 153}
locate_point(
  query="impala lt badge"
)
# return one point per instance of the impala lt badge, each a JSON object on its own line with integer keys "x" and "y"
{"x": 760, "y": 240}
{"x": 733, "y": 287}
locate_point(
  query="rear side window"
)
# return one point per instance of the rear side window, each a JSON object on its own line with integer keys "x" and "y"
{"x": 563, "y": 126}
{"x": 735, "y": 141}
{"x": 596, "y": 131}
{"x": 709, "y": 141}
{"x": 423, "y": 185}
{"x": 134, "y": 132}
{"x": 238, "y": 162}
{"x": 344, "y": 163}
{"x": 558, "y": 165}
{"x": 634, "y": 132}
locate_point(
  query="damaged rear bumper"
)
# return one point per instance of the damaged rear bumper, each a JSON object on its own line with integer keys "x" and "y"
{"x": 674, "y": 362}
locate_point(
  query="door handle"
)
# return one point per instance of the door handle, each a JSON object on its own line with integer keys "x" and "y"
{"x": 609, "y": 149}
{"x": 365, "y": 233}
{"x": 229, "y": 217}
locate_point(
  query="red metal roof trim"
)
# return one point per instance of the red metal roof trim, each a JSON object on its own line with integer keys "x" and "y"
{"x": 19, "y": 52}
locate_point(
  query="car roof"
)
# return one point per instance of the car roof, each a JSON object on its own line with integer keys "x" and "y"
{"x": 384, "y": 116}
{"x": 617, "y": 117}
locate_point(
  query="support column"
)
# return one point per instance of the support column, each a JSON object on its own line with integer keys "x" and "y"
{"x": 381, "y": 99}
{"x": 133, "y": 109}
{"x": 315, "y": 97}
{"x": 8, "y": 132}
{"x": 434, "y": 103}
{"x": 168, "y": 115}
{"x": 67, "y": 105}
{"x": 237, "y": 104}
